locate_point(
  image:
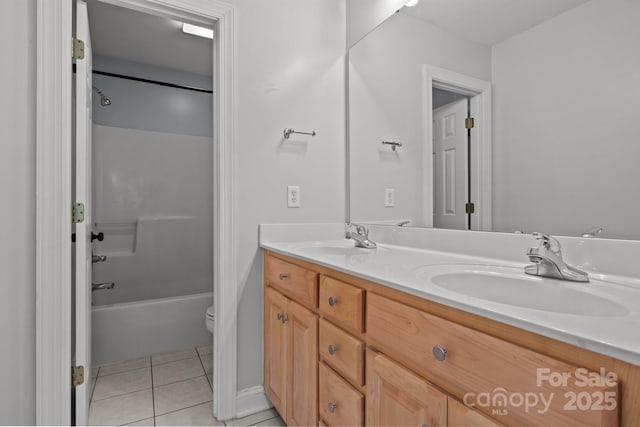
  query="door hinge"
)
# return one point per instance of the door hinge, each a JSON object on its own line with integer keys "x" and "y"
{"x": 469, "y": 123}
{"x": 77, "y": 49}
{"x": 77, "y": 375}
{"x": 77, "y": 212}
{"x": 469, "y": 208}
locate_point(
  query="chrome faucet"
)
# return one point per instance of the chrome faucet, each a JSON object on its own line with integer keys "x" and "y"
{"x": 547, "y": 261}
{"x": 592, "y": 232}
{"x": 102, "y": 286}
{"x": 361, "y": 237}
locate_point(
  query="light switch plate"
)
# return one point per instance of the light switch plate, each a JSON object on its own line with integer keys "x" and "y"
{"x": 389, "y": 197}
{"x": 293, "y": 196}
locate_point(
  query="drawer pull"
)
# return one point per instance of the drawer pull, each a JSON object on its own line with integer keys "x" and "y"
{"x": 332, "y": 301}
{"x": 332, "y": 349}
{"x": 332, "y": 407}
{"x": 439, "y": 353}
{"x": 283, "y": 276}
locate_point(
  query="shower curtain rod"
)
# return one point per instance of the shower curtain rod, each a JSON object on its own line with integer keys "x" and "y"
{"x": 155, "y": 82}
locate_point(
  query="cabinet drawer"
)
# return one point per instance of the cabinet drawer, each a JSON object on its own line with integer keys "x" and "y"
{"x": 478, "y": 363}
{"x": 342, "y": 352}
{"x": 461, "y": 416}
{"x": 342, "y": 303}
{"x": 340, "y": 403}
{"x": 298, "y": 283}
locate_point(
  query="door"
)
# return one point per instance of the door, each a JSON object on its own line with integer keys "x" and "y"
{"x": 82, "y": 194}
{"x": 462, "y": 416}
{"x": 302, "y": 357}
{"x": 275, "y": 351}
{"x": 450, "y": 164}
{"x": 397, "y": 396}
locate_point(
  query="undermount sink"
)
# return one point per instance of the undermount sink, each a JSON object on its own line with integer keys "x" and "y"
{"x": 509, "y": 285}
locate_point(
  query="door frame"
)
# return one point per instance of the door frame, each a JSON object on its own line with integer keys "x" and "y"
{"x": 480, "y": 93}
{"x": 54, "y": 198}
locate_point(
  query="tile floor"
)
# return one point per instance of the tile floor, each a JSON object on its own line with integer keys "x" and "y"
{"x": 162, "y": 390}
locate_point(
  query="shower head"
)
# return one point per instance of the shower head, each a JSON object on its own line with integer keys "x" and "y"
{"x": 104, "y": 101}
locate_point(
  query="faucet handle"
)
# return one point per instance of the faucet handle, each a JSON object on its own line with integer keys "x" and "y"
{"x": 548, "y": 242}
{"x": 361, "y": 230}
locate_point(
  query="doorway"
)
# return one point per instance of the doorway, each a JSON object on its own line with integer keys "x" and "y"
{"x": 54, "y": 312}
{"x": 451, "y": 160}
{"x": 144, "y": 156}
{"x": 457, "y": 150}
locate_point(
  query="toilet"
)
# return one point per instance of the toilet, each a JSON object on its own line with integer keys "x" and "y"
{"x": 210, "y": 319}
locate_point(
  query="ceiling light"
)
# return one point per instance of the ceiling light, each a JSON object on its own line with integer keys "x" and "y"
{"x": 197, "y": 31}
{"x": 411, "y": 3}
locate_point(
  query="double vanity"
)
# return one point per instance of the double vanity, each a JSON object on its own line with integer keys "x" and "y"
{"x": 483, "y": 120}
{"x": 429, "y": 328}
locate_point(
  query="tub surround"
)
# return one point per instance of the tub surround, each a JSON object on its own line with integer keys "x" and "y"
{"x": 402, "y": 252}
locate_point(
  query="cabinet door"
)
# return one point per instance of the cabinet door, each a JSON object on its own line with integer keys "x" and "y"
{"x": 302, "y": 359}
{"x": 275, "y": 354}
{"x": 398, "y": 397}
{"x": 461, "y": 416}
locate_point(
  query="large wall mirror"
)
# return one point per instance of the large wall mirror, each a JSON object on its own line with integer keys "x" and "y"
{"x": 553, "y": 88}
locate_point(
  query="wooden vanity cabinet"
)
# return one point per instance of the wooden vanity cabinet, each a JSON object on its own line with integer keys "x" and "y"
{"x": 291, "y": 359}
{"x": 340, "y": 350}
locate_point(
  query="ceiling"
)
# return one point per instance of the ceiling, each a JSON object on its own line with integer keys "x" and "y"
{"x": 134, "y": 36}
{"x": 488, "y": 21}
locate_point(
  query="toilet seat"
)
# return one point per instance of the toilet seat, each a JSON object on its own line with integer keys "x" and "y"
{"x": 210, "y": 319}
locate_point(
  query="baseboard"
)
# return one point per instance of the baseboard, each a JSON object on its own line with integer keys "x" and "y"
{"x": 251, "y": 400}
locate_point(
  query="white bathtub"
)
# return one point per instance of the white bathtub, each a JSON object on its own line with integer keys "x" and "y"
{"x": 129, "y": 330}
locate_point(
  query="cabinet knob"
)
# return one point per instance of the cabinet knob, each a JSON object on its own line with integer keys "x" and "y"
{"x": 283, "y": 276}
{"x": 279, "y": 316}
{"x": 332, "y": 349}
{"x": 332, "y": 301}
{"x": 439, "y": 353}
{"x": 332, "y": 407}
{"x": 285, "y": 319}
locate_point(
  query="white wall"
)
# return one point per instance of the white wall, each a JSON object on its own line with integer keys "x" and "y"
{"x": 145, "y": 106}
{"x": 290, "y": 74}
{"x": 385, "y": 103}
{"x": 566, "y": 126}
{"x": 17, "y": 215}
{"x": 364, "y": 15}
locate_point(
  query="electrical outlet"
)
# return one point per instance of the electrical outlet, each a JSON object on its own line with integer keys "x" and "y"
{"x": 293, "y": 196}
{"x": 389, "y": 197}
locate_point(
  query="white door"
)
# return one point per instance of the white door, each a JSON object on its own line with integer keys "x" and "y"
{"x": 82, "y": 194}
{"x": 450, "y": 166}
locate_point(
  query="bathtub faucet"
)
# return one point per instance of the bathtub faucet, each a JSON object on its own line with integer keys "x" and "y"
{"x": 102, "y": 286}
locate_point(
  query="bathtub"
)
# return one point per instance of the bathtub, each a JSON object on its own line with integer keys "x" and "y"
{"x": 130, "y": 330}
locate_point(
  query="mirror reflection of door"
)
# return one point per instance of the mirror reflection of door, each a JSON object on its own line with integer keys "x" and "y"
{"x": 451, "y": 164}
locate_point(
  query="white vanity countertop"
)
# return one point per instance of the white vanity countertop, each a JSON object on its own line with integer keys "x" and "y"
{"x": 408, "y": 270}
